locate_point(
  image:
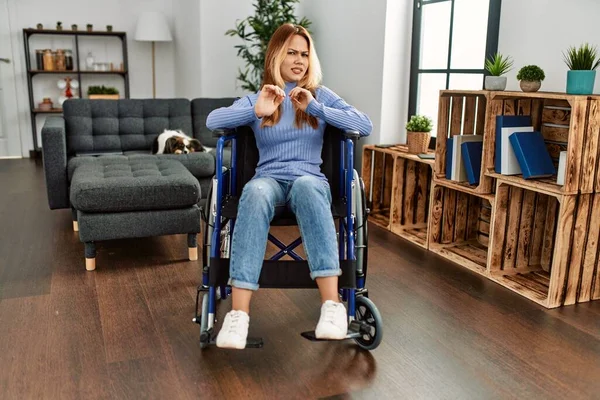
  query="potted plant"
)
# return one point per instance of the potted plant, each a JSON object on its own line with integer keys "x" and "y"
{"x": 109, "y": 28}
{"x": 530, "y": 78}
{"x": 582, "y": 63}
{"x": 256, "y": 31}
{"x": 497, "y": 66}
{"x": 89, "y": 27}
{"x": 59, "y": 26}
{"x": 418, "y": 134}
{"x": 74, "y": 27}
{"x": 103, "y": 92}
{"x": 40, "y": 26}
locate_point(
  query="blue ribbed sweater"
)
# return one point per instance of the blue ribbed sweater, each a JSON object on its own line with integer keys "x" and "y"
{"x": 285, "y": 151}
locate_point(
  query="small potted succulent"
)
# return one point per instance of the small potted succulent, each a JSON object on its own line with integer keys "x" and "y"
{"x": 497, "y": 66}
{"x": 109, "y": 28}
{"x": 74, "y": 27}
{"x": 59, "y": 26}
{"x": 418, "y": 134}
{"x": 40, "y": 26}
{"x": 530, "y": 78}
{"x": 89, "y": 27}
{"x": 582, "y": 63}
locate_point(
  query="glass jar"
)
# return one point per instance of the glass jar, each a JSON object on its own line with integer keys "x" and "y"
{"x": 60, "y": 62}
{"x": 48, "y": 60}
{"x": 39, "y": 58}
{"x": 69, "y": 60}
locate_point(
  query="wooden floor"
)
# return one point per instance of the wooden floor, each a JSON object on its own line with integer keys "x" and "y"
{"x": 126, "y": 331}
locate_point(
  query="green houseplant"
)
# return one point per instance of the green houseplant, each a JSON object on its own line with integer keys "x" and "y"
{"x": 103, "y": 92}
{"x": 418, "y": 133}
{"x": 256, "y": 31}
{"x": 530, "y": 78}
{"x": 59, "y": 26}
{"x": 497, "y": 65}
{"x": 582, "y": 63}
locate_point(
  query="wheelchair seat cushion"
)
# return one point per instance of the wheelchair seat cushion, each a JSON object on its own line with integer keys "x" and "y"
{"x": 283, "y": 215}
{"x": 106, "y": 185}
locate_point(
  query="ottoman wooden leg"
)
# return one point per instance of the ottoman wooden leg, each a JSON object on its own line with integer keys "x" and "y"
{"x": 75, "y": 226}
{"x": 193, "y": 246}
{"x": 90, "y": 256}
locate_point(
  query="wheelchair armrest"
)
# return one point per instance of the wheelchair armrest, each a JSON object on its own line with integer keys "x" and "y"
{"x": 223, "y": 132}
{"x": 351, "y": 134}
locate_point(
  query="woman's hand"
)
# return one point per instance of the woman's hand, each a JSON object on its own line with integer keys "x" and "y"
{"x": 301, "y": 98}
{"x": 269, "y": 99}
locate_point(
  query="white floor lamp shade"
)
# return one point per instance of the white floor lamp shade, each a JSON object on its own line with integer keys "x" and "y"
{"x": 152, "y": 27}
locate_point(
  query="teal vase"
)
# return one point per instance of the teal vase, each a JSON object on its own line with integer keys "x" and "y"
{"x": 580, "y": 81}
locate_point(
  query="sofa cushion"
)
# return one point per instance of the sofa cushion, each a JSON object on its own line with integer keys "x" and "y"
{"x": 201, "y": 165}
{"x": 122, "y": 125}
{"x": 132, "y": 184}
{"x": 200, "y": 109}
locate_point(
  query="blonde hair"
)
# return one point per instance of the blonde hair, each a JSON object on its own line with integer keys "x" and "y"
{"x": 276, "y": 53}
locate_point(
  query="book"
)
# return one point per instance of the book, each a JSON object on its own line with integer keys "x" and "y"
{"x": 459, "y": 172}
{"x": 505, "y": 162}
{"x": 472, "y": 153}
{"x": 426, "y": 156}
{"x": 532, "y": 155}
{"x": 562, "y": 161}
{"x": 449, "y": 150}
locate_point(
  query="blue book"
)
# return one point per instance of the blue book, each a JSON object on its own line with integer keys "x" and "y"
{"x": 471, "y": 153}
{"x": 532, "y": 154}
{"x": 449, "y": 151}
{"x": 507, "y": 121}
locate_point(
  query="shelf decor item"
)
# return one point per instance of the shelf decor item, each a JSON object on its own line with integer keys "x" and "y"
{"x": 40, "y": 26}
{"x": 89, "y": 27}
{"x": 109, "y": 28}
{"x": 74, "y": 27}
{"x": 103, "y": 92}
{"x": 497, "y": 66}
{"x": 530, "y": 78}
{"x": 59, "y": 26}
{"x": 418, "y": 134}
{"x": 582, "y": 63}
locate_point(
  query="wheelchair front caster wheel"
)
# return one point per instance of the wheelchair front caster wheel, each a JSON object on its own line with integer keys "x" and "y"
{"x": 371, "y": 323}
{"x": 204, "y": 334}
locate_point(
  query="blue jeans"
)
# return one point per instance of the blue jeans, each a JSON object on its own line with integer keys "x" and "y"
{"x": 310, "y": 200}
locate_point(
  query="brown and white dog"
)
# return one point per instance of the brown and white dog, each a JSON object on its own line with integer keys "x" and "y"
{"x": 175, "y": 142}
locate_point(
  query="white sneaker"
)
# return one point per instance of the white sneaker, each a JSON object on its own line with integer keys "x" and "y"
{"x": 234, "y": 331}
{"x": 333, "y": 323}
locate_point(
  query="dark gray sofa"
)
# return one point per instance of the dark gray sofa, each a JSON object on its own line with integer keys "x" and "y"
{"x": 98, "y": 162}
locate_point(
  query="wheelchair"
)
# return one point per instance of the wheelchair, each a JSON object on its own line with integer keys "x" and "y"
{"x": 348, "y": 208}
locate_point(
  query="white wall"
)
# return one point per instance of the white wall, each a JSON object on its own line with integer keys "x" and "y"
{"x": 186, "y": 36}
{"x": 349, "y": 38}
{"x": 123, "y": 16}
{"x": 396, "y": 71}
{"x": 538, "y": 31}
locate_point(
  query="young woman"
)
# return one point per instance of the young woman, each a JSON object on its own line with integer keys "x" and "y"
{"x": 288, "y": 116}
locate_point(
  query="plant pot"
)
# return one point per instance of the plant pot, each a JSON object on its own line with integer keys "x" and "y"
{"x": 495, "y": 82}
{"x": 74, "y": 27}
{"x": 109, "y": 28}
{"x": 580, "y": 81}
{"x": 90, "y": 28}
{"x": 418, "y": 142}
{"x": 103, "y": 97}
{"x": 40, "y": 26}
{"x": 530, "y": 86}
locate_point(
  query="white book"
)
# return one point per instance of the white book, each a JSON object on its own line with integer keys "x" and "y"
{"x": 459, "y": 173}
{"x": 510, "y": 164}
{"x": 562, "y": 160}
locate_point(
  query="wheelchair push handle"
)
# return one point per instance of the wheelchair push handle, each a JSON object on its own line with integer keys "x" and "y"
{"x": 351, "y": 134}
{"x": 220, "y": 132}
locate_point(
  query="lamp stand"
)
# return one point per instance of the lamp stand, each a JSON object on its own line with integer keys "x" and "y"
{"x": 153, "y": 74}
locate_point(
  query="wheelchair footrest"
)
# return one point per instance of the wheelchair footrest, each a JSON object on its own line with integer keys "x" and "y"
{"x": 353, "y": 333}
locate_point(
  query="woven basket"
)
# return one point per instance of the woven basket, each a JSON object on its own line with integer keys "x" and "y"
{"x": 418, "y": 142}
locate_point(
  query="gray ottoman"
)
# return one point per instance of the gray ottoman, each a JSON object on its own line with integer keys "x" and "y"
{"x": 129, "y": 197}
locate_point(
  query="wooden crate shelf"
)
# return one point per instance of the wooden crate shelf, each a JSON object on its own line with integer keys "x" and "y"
{"x": 398, "y": 187}
{"x": 459, "y": 227}
{"x": 532, "y": 236}
{"x": 545, "y": 247}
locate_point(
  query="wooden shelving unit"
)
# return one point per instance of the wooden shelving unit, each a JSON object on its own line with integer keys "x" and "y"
{"x": 532, "y": 236}
{"x": 77, "y": 71}
{"x": 401, "y": 184}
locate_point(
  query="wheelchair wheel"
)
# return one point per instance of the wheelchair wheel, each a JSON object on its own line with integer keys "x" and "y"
{"x": 204, "y": 335}
{"x": 372, "y": 331}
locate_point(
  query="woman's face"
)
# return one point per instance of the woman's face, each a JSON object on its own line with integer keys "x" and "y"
{"x": 295, "y": 64}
